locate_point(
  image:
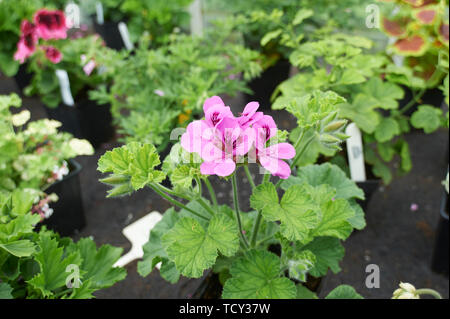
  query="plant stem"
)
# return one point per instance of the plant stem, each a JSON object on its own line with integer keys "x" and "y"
{"x": 174, "y": 201}
{"x": 413, "y": 101}
{"x": 297, "y": 157}
{"x": 426, "y": 291}
{"x": 249, "y": 177}
{"x": 236, "y": 208}
{"x": 255, "y": 229}
{"x": 212, "y": 193}
{"x": 205, "y": 205}
{"x": 199, "y": 186}
{"x": 171, "y": 192}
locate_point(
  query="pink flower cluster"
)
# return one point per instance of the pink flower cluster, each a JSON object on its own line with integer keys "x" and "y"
{"x": 223, "y": 140}
{"x": 47, "y": 25}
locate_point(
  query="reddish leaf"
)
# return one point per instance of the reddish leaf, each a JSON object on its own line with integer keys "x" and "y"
{"x": 394, "y": 28}
{"x": 443, "y": 33}
{"x": 414, "y": 46}
{"x": 426, "y": 16}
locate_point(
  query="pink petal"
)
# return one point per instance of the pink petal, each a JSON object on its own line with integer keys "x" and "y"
{"x": 281, "y": 150}
{"x": 215, "y": 100}
{"x": 192, "y": 140}
{"x": 216, "y": 113}
{"x": 276, "y": 167}
{"x": 244, "y": 142}
{"x": 207, "y": 168}
{"x": 225, "y": 168}
{"x": 250, "y": 109}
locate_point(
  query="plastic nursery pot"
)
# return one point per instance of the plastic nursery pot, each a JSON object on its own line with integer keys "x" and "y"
{"x": 440, "y": 261}
{"x": 68, "y": 212}
{"x": 22, "y": 77}
{"x": 369, "y": 187}
{"x": 86, "y": 119}
{"x": 433, "y": 97}
{"x": 109, "y": 31}
{"x": 265, "y": 85}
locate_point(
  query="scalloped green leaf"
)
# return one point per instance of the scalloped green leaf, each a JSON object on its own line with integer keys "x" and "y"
{"x": 428, "y": 118}
{"x": 194, "y": 249}
{"x": 344, "y": 292}
{"x": 257, "y": 275}
{"x": 297, "y": 211}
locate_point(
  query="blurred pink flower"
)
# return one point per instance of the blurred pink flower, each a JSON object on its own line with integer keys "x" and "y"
{"x": 50, "y": 24}
{"x": 27, "y": 43}
{"x": 53, "y": 54}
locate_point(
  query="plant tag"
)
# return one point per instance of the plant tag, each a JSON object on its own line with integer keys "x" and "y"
{"x": 123, "y": 29}
{"x": 99, "y": 10}
{"x": 73, "y": 15}
{"x": 64, "y": 85}
{"x": 355, "y": 153}
{"x": 195, "y": 10}
{"x": 138, "y": 234}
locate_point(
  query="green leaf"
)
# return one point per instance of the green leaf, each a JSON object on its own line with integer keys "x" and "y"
{"x": 270, "y": 36}
{"x": 328, "y": 252}
{"x": 387, "y": 130}
{"x": 145, "y": 159}
{"x": 382, "y": 94}
{"x": 296, "y": 211}
{"x": 257, "y": 276}
{"x": 329, "y": 174}
{"x": 52, "y": 265}
{"x": 360, "y": 112}
{"x": 5, "y": 291}
{"x": 194, "y": 249}
{"x": 357, "y": 221}
{"x": 334, "y": 222}
{"x": 301, "y": 15}
{"x": 305, "y": 293}
{"x": 344, "y": 292}
{"x": 19, "y": 248}
{"x": 351, "y": 76}
{"x": 98, "y": 263}
{"x": 153, "y": 249}
{"x": 133, "y": 164}
{"x": 428, "y": 118}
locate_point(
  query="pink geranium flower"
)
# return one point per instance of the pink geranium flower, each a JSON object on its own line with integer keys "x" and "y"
{"x": 223, "y": 140}
{"x": 228, "y": 144}
{"x": 53, "y": 54}
{"x": 50, "y": 24}
{"x": 27, "y": 43}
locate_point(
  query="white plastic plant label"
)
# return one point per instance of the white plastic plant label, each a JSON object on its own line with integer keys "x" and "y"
{"x": 64, "y": 85}
{"x": 138, "y": 234}
{"x": 195, "y": 10}
{"x": 99, "y": 11}
{"x": 355, "y": 153}
{"x": 123, "y": 29}
{"x": 73, "y": 15}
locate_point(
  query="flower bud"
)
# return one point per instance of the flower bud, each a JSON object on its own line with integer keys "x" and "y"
{"x": 334, "y": 126}
{"x": 115, "y": 180}
{"x": 406, "y": 291}
{"x": 328, "y": 138}
{"x": 120, "y": 190}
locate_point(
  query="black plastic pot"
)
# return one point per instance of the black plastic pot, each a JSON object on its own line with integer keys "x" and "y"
{"x": 265, "y": 85}
{"x": 369, "y": 187}
{"x": 68, "y": 212}
{"x": 86, "y": 119}
{"x": 433, "y": 97}
{"x": 109, "y": 31}
{"x": 22, "y": 77}
{"x": 440, "y": 261}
